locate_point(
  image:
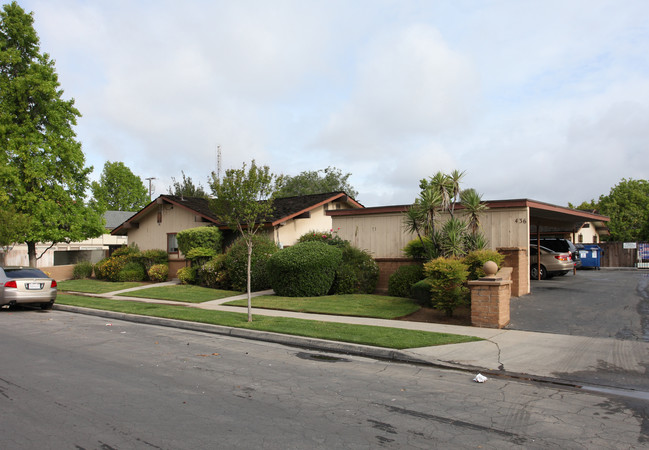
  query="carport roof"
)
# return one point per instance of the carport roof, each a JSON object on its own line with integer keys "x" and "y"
{"x": 547, "y": 217}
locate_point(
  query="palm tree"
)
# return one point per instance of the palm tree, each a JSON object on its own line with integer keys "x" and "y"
{"x": 454, "y": 181}
{"x": 441, "y": 183}
{"x": 472, "y": 202}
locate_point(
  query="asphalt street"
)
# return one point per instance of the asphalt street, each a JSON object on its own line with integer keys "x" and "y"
{"x": 76, "y": 381}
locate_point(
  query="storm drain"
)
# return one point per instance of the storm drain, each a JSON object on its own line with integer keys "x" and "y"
{"x": 320, "y": 357}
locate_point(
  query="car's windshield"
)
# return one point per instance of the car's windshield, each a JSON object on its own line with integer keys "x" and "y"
{"x": 24, "y": 273}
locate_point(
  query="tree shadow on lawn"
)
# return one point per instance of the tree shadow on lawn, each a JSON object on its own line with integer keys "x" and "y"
{"x": 461, "y": 316}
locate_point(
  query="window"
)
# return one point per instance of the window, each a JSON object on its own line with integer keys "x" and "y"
{"x": 172, "y": 243}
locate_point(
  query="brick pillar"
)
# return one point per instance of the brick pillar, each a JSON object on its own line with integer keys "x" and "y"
{"x": 518, "y": 260}
{"x": 490, "y": 302}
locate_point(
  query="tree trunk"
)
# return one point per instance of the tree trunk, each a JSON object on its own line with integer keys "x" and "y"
{"x": 31, "y": 252}
{"x": 249, "y": 290}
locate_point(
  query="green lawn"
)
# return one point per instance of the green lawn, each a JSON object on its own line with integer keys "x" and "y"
{"x": 181, "y": 293}
{"x": 362, "y": 305}
{"x": 360, "y": 334}
{"x": 95, "y": 286}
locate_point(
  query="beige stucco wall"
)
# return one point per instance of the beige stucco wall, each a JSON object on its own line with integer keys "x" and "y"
{"x": 289, "y": 233}
{"x": 17, "y": 255}
{"x": 153, "y": 235}
{"x": 587, "y": 235}
{"x": 384, "y": 236}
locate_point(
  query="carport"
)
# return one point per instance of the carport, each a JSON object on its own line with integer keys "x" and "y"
{"x": 547, "y": 220}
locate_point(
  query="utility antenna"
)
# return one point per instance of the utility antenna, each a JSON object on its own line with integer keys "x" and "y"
{"x": 218, "y": 163}
{"x": 149, "y": 180}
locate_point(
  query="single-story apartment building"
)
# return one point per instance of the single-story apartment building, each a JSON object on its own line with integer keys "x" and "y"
{"x": 507, "y": 224}
{"x": 156, "y": 225}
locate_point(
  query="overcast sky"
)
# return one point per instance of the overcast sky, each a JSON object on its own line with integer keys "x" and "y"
{"x": 547, "y": 100}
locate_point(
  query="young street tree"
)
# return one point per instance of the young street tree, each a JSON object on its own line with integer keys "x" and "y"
{"x": 119, "y": 189}
{"x": 43, "y": 174}
{"x": 321, "y": 181}
{"x": 244, "y": 201}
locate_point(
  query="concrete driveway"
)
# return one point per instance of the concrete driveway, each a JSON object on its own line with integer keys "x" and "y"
{"x": 597, "y": 303}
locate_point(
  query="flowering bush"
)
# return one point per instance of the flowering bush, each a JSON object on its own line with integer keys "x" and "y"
{"x": 187, "y": 275}
{"x": 213, "y": 274}
{"x": 110, "y": 268}
{"x": 328, "y": 237}
{"x": 158, "y": 272}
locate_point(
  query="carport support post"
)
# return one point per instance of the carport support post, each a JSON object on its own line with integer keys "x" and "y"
{"x": 490, "y": 300}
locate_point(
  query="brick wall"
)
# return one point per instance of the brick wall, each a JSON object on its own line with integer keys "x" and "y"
{"x": 387, "y": 266}
{"x": 490, "y": 299}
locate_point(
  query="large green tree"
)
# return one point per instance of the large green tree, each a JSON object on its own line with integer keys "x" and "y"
{"x": 320, "y": 181}
{"x": 244, "y": 202}
{"x": 627, "y": 205}
{"x": 186, "y": 188}
{"x": 119, "y": 189}
{"x": 43, "y": 171}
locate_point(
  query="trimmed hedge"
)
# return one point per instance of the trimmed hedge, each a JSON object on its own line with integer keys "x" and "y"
{"x": 236, "y": 263}
{"x": 208, "y": 237}
{"x": 82, "y": 270}
{"x": 306, "y": 269}
{"x": 132, "y": 271}
{"x": 420, "y": 292}
{"x": 402, "y": 280}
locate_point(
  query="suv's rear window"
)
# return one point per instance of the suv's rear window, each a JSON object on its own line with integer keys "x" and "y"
{"x": 24, "y": 273}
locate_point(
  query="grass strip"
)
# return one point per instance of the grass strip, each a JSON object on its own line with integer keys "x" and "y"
{"x": 395, "y": 338}
{"x": 181, "y": 293}
{"x": 95, "y": 286}
{"x": 359, "y": 305}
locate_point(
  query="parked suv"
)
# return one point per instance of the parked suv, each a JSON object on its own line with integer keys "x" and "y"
{"x": 561, "y": 246}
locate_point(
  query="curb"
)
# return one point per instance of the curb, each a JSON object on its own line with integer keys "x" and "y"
{"x": 314, "y": 344}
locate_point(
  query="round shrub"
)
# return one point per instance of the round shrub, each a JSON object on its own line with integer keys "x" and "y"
{"x": 158, "y": 272}
{"x": 306, "y": 269}
{"x": 403, "y": 278}
{"x": 187, "y": 275}
{"x": 151, "y": 257}
{"x": 357, "y": 274}
{"x": 236, "y": 262}
{"x": 213, "y": 274}
{"x": 200, "y": 255}
{"x": 420, "y": 292}
{"x": 82, "y": 270}
{"x": 132, "y": 271}
{"x": 447, "y": 277}
{"x": 476, "y": 259}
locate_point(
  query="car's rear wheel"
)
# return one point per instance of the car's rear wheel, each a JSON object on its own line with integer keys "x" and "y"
{"x": 47, "y": 305}
{"x": 534, "y": 273}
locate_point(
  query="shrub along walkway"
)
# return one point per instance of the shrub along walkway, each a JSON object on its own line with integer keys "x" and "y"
{"x": 542, "y": 356}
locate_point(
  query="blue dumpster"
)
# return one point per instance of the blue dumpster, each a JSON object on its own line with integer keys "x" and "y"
{"x": 591, "y": 256}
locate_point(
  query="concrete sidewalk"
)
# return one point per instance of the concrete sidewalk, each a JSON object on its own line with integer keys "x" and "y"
{"x": 559, "y": 358}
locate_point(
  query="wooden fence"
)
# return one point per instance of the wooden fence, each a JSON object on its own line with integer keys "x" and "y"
{"x": 615, "y": 255}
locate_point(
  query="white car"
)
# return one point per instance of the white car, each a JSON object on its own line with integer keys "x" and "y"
{"x": 26, "y": 285}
